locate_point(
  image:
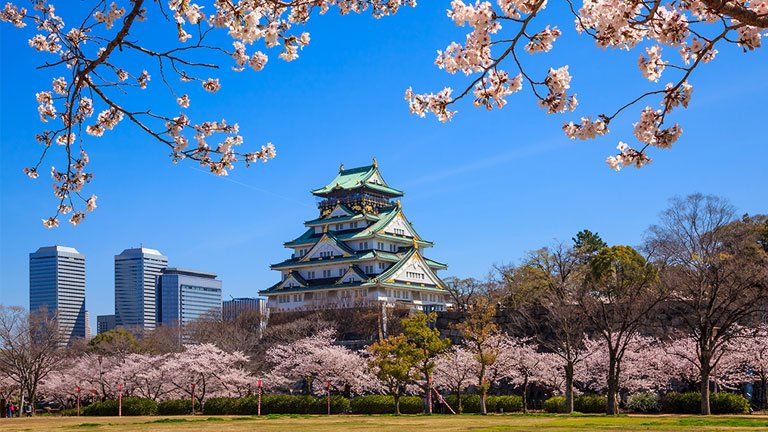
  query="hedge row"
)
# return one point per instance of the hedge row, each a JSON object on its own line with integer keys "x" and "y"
{"x": 131, "y": 407}
{"x": 581, "y": 403}
{"x": 276, "y": 404}
{"x": 470, "y": 403}
{"x": 678, "y": 403}
{"x": 690, "y": 403}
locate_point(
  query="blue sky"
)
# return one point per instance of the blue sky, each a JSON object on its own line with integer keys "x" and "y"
{"x": 486, "y": 187}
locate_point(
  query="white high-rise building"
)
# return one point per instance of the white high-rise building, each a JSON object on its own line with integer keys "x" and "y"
{"x": 57, "y": 284}
{"x": 136, "y": 272}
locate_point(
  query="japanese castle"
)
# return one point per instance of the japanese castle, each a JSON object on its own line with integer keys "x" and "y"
{"x": 361, "y": 251}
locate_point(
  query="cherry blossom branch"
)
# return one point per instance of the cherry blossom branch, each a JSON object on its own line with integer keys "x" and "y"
{"x": 270, "y": 21}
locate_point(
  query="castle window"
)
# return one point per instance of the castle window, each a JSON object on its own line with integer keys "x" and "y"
{"x": 339, "y": 227}
{"x": 399, "y": 231}
{"x": 353, "y": 225}
{"x": 326, "y": 273}
{"x": 379, "y": 245}
{"x": 341, "y": 272}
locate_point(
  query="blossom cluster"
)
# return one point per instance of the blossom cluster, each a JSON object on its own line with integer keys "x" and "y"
{"x": 618, "y": 24}
{"x": 247, "y": 22}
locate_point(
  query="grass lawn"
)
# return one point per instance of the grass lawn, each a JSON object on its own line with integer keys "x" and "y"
{"x": 509, "y": 422}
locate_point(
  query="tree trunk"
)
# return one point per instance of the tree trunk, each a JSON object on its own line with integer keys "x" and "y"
{"x": 705, "y": 389}
{"x": 525, "y": 393}
{"x": 458, "y": 396}
{"x": 482, "y": 386}
{"x": 569, "y": 387}
{"x": 482, "y": 404}
{"x": 397, "y": 404}
{"x": 764, "y": 388}
{"x": 611, "y": 407}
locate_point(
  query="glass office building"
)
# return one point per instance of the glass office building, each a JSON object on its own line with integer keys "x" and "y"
{"x": 184, "y": 295}
{"x": 57, "y": 284}
{"x": 136, "y": 273}
{"x": 236, "y": 306}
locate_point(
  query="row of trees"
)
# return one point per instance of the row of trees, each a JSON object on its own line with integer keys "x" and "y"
{"x": 700, "y": 275}
{"x": 409, "y": 363}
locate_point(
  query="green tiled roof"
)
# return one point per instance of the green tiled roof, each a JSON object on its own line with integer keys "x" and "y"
{"x": 433, "y": 263}
{"x": 361, "y": 216}
{"x": 295, "y": 262}
{"x": 357, "y": 178}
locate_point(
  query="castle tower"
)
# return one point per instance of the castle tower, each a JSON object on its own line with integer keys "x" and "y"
{"x": 360, "y": 251}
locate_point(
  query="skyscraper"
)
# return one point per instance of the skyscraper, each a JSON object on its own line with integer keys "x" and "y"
{"x": 136, "y": 272}
{"x": 105, "y": 323}
{"x": 57, "y": 283}
{"x": 184, "y": 295}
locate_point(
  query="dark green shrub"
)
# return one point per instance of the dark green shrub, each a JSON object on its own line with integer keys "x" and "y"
{"x": 690, "y": 403}
{"x": 555, "y": 404}
{"x": 470, "y": 403}
{"x": 243, "y": 406}
{"x": 220, "y": 406}
{"x": 728, "y": 403}
{"x": 507, "y": 403}
{"x": 588, "y": 404}
{"x": 70, "y": 412}
{"x": 581, "y": 403}
{"x": 131, "y": 407}
{"x": 373, "y": 404}
{"x": 683, "y": 403}
{"x": 411, "y": 405}
{"x": 381, "y": 404}
{"x": 176, "y": 407}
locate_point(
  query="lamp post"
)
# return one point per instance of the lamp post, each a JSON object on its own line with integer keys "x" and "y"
{"x": 328, "y": 392}
{"x": 120, "y": 400}
{"x": 193, "y": 399}
{"x": 259, "y": 409}
{"x": 78, "y": 401}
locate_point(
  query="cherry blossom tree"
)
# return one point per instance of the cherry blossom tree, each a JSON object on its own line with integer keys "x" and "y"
{"x": 753, "y": 353}
{"x": 455, "y": 370}
{"x": 642, "y": 367}
{"x": 726, "y": 367}
{"x": 213, "y": 372}
{"x": 315, "y": 359}
{"x": 493, "y": 55}
{"x": 92, "y": 71}
{"x": 528, "y": 366}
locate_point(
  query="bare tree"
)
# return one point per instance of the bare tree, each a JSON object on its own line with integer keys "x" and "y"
{"x": 29, "y": 347}
{"x": 717, "y": 270}
{"x": 543, "y": 290}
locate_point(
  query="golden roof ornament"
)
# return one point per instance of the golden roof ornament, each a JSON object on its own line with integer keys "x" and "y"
{"x": 325, "y": 228}
{"x": 398, "y": 203}
{"x": 341, "y": 168}
{"x": 376, "y": 165}
{"x": 415, "y": 245}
